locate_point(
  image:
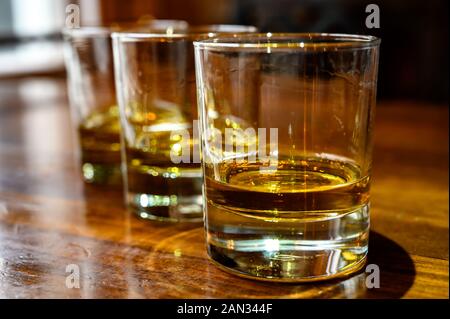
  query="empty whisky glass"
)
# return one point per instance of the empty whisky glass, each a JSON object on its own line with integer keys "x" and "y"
{"x": 95, "y": 114}
{"x": 286, "y": 127}
{"x": 156, "y": 89}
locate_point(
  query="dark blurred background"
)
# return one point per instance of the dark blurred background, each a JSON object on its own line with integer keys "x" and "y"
{"x": 414, "y": 49}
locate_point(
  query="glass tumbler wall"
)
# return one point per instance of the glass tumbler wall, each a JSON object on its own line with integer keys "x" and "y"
{"x": 92, "y": 94}
{"x": 156, "y": 88}
{"x": 286, "y": 126}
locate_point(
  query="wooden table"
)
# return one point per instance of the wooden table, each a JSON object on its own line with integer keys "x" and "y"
{"x": 49, "y": 219}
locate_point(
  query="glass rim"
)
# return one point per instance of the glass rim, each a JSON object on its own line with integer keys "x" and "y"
{"x": 107, "y": 30}
{"x": 192, "y": 31}
{"x": 289, "y": 41}
{"x": 230, "y": 28}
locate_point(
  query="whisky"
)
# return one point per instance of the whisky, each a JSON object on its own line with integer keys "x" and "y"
{"x": 100, "y": 146}
{"x": 158, "y": 188}
{"x": 289, "y": 222}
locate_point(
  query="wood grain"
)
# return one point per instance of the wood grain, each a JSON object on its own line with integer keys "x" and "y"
{"x": 49, "y": 218}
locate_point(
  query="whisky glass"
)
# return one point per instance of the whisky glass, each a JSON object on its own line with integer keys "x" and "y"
{"x": 156, "y": 90}
{"x": 89, "y": 63}
{"x": 286, "y": 126}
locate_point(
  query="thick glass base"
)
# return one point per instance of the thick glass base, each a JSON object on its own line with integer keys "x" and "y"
{"x": 294, "y": 251}
{"x": 167, "y": 193}
{"x": 171, "y": 208}
{"x": 102, "y": 174}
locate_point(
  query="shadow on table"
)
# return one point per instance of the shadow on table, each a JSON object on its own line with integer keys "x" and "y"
{"x": 397, "y": 270}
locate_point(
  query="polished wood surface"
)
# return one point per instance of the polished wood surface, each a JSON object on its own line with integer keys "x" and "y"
{"x": 49, "y": 219}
